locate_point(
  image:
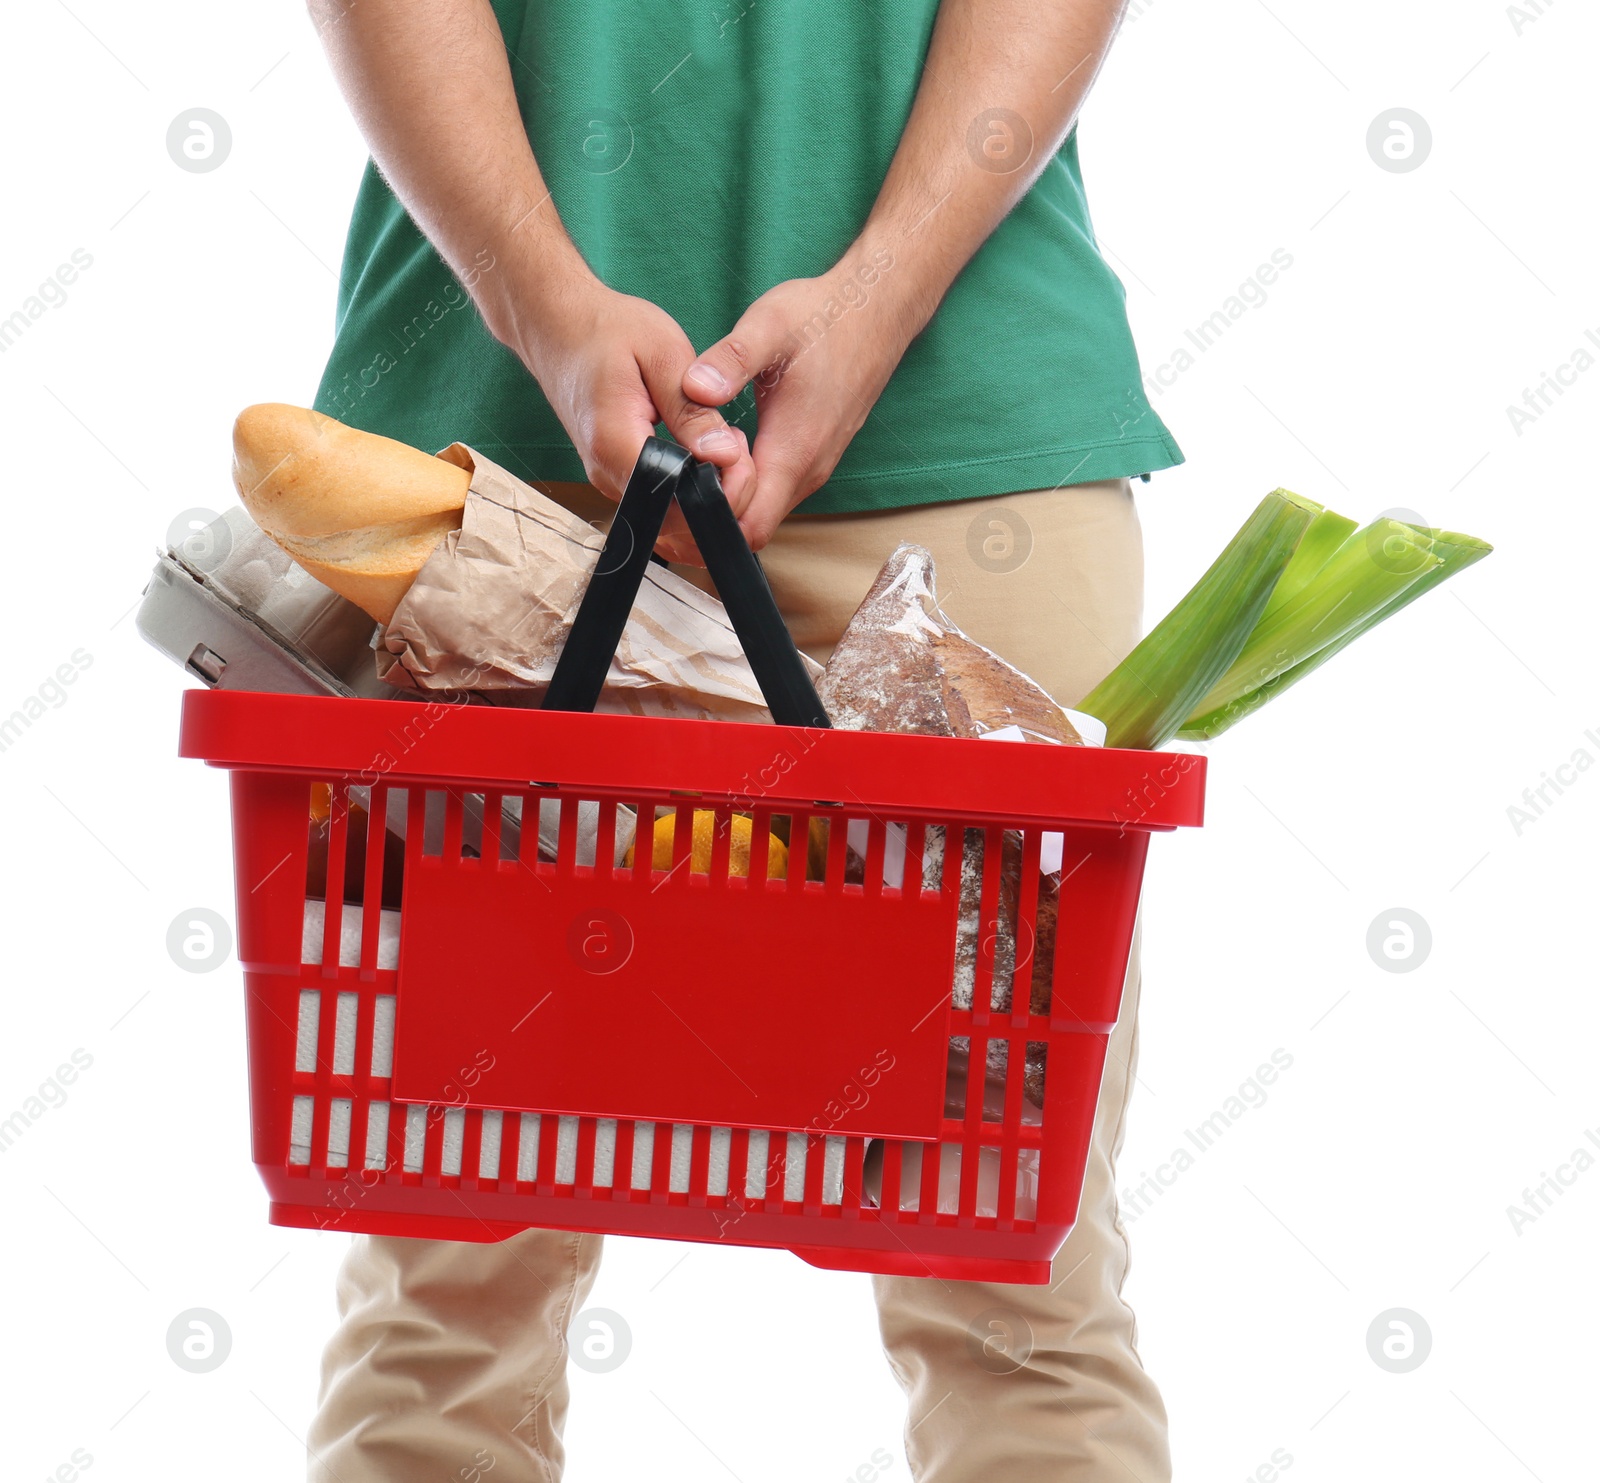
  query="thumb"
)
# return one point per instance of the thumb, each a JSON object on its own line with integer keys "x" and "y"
{"x": 757, "y": 343}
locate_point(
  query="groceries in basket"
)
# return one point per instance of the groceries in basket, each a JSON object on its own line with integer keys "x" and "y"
{"x": 452, "y": 902}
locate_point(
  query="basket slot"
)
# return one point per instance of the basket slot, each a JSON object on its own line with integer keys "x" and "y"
{"x": 814, "y": 1161}
{"x": 338, "y": 828}
{"x": 527, "y": 1147}
{"x": 510, "y": 829}
{"x": 383, "y": 1014}
{"x": 450, "y": 845}
{"x": 605, "y": 1152}
{"x": 372, "y": 878}
{"x": 949, "y": 858}
{"x": 994, "y": 1066}
{"x": 913, "y": 881}
{"x": 755, "y": 1170}
{"x": 739, "y": 1165}
{"x": 339, "y": 1133}
{"x": 1018, "y": 995}
{"x": 344, "y": 1033}
{"x": 448, "y": 1145}
{"x": 305, "y": 1044}
{"x": 719, "y": 1162}
{"x": 930, "y": 1155}
{"x": 471, "y": 1142}
{"x": 473, "y": 807}
{"x": 644, "y": 1144}
{"x": 681, "y": 1159}
{"x": 796, "y": 1149}
{"x": 493, "y": 819}
{"x": 855, "y": 1150}
{"x": 377, "y": 1155}
{"x": 430, "y": 833}
{"x": 1021, "y": 1190}
{"x": 489, "y": 1135}
{"x": 566, "y": 1165}
{"x": 415, "y": 1135}
{"x": 300, "y": 1120}
{"x": 996, "y": 948}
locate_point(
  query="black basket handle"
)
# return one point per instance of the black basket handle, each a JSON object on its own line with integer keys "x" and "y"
{"x": 665, "y": 471}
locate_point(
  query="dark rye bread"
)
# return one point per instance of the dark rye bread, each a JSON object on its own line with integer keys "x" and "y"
{"x": 901, "y": 665}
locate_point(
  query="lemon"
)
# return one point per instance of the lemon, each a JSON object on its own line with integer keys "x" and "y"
{"x": 705, "y": 825}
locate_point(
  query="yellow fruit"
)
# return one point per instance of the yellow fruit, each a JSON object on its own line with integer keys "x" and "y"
{"x": 705, "y": 823}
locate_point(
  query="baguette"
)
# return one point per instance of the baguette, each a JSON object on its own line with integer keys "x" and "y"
{"x": 361, "y": 513}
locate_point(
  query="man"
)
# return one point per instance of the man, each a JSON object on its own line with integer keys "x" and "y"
{"x": 841, "y": 250}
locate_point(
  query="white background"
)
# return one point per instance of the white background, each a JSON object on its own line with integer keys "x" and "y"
{"x": 1419, "y": 1105}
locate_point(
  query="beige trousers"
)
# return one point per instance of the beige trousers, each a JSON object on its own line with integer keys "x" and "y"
{"x": 449, "y": 1355}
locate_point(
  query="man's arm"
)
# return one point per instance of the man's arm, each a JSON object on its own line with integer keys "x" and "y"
{"x": 430, "y": 85}
{"x": 1000, "y": 89}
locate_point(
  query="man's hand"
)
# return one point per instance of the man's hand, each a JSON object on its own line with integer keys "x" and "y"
{"x": 612, "y": 367}
{"x": 819, "y": 352}
{"x": 1000, "y": 88}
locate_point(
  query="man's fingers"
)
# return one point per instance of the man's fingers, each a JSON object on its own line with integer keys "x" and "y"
{"x": 754, "y": 345}
{"x": 702, "y": 430}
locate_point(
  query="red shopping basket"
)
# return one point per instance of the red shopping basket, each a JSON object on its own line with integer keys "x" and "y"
{"x": 468, "y": 1013}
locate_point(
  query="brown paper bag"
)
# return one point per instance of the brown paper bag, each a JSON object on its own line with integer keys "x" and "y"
{"x": 490, "y": 610}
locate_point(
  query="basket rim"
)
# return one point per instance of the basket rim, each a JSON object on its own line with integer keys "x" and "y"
{"x": 441, "y": 744}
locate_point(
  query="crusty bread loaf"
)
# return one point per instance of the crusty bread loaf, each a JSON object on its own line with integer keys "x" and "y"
{"x": 361, "y": 513}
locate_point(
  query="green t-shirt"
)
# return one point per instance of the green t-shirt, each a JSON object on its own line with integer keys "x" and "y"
{"x": 700, "y": 155}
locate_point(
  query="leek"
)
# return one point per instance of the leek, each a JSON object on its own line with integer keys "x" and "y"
{"x": 1369, "y": 571}
{"x": 1455, "y": 552}
{"x": 1323, "y": 537}
{"x": 1147, "y": 697}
